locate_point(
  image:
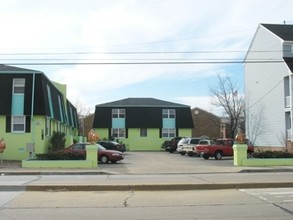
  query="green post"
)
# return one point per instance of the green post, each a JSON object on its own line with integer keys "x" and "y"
{"x": 92, "y": 154}
{"x": 240, "y": 153}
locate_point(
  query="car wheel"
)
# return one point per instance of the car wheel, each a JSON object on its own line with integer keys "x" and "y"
{"x": 182, "y": 153}
{"x": 218, "y": 155}
{"x": 104, "y": 159}
{"x": 206, "y": 156}
{"x": 190, "y": 154}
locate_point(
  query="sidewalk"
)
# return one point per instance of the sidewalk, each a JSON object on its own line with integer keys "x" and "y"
{"x": 182, "y": 173}
{"x": 99, "y": 182}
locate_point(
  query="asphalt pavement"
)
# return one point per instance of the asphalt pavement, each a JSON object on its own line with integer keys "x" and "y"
{"x": 147, "y": 171}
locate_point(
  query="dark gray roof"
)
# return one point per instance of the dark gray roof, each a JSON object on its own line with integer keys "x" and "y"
{"x": 284, "y": 31}
{"x": 289, "y": 62}
{"x": 142, "y": 102}
{"x": 13, "y": 69}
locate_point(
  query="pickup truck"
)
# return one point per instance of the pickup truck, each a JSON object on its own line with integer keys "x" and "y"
{"x": 217, "y": 149}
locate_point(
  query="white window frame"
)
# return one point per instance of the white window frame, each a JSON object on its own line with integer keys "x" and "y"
{"x": 168, "y": 132}
{"x": 18, "y": 86}
{"x": 15, "y": 121}
{"x": 169, "y": 113}
{"x": 118, "y": 113}
{"x": 118, "y": 132}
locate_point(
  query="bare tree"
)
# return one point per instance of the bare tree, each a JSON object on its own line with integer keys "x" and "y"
{"x": 225, "y": 95}
{"x": 255, "y": 124}
{"x": 82, "y": 112}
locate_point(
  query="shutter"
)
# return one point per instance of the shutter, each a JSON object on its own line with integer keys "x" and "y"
{"x": 160, "y": 131}
{"x": 109, "y": 134}
{"x": 8, "y": 124}
{"x": 27, "y": 124}
{"x": 126, "y": 132}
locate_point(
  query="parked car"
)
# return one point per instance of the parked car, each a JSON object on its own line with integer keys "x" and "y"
{"x": 171, "y": 145}
{"x": 180, "y": 144}
{"x": 104, "y": 155}
{"x": 112, "y": 145}
{"x": 188, "y": 147}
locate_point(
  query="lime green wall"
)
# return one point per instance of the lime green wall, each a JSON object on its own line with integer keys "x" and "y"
{"x": 135, "y": 143}
{"x": 102, "y": 133}
{"x": 184, "y": 132}
{"x": 16, "y": 143}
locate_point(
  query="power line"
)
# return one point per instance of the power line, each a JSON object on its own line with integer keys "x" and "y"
{"x": 146, "y": 63}
{"x": 133, "y": 52}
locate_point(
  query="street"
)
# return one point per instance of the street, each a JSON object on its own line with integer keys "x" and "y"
{"x": 196, "y": 204}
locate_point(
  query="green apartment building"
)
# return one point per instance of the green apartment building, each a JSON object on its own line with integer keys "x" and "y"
{"x": 142, "y": 123}
{"x": 31, "y": 108}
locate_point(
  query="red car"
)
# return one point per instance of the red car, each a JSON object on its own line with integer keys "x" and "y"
{"x": 104, "y": 155}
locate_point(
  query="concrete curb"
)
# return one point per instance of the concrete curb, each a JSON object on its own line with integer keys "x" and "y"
{"x": 146, "y": 187}
{"x": 106, "y": 172}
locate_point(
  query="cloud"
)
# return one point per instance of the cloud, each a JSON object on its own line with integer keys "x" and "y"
{"x": 93, "y": 28}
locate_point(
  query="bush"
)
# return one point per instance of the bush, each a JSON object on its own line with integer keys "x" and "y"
{"x": 57, "y": 141}
{"x": 272, "y": 154}
{"x": 60, "y": 156}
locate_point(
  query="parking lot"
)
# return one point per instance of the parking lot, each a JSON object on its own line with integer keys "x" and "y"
{"x": 162, "y": 162}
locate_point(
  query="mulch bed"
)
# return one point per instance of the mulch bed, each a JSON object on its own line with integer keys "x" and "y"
{"x": 10, "y": 164}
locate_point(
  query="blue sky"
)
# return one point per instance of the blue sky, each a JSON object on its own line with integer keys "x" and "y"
{"x": 112, "y": 31}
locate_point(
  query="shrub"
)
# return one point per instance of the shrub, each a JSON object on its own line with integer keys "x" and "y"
{"x": 57, "y": 141}
{"x": 272, "y": 154}
{"x": 60, "y": 156}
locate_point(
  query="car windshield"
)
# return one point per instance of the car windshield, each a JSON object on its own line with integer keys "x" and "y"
{"x": 114, "y": 142}
{"x": 100, "y": 147}
{"x": 184, "y": 140}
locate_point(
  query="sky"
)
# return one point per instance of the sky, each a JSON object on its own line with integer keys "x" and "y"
{"x": 107, "y": 50}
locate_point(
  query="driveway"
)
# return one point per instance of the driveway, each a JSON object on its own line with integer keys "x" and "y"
{"x": 166, "y": 163}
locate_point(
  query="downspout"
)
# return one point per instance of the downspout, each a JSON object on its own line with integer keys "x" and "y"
{"x": 32, "y": 114}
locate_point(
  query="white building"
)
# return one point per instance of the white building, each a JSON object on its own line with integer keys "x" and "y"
{"x": 268, "y": 68}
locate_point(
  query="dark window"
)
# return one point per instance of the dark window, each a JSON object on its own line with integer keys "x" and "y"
{"x": 143, "y": 132}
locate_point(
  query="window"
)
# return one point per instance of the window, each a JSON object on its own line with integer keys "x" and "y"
{"x": 18, "y": 86}
{"x": 118, "y": 113}
{"x": 168, "y": 132}
{"x": 50, "y": 101}
{"x": 78, "y": 147}
{"x": 118, "y": 132}
{"x": 18, "y": 124}
{"x": 143, "y": 132}
{"x": 47, "y": 127}
{"x": 168, "y": 113}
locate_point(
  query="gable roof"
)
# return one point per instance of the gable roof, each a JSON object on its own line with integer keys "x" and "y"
{"x": 142, "y": 102}
{"x": 13, "y": 69}
{"x": 197, "y": 110}
{"x": 284, "y": 31}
